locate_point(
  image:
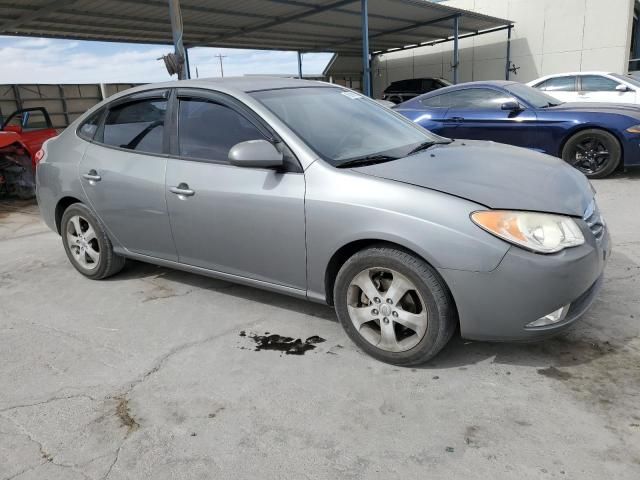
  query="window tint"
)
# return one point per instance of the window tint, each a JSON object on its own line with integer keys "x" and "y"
{"x": 207, "y": 130}
{"x": 596, "y": 83}
{"x": 88, "y": 129}
{"x": 469, "y": 98}
{"x": 136, "y": 126}
{"x": 558, "y": 84}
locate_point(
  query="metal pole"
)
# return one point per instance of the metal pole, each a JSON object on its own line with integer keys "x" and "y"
{"x": 187, "y": 63}
{"x": 508, "y": 65}
{"x": 176, "y": 29}
{"x": 455, "y": 48}
{"x": 299, "y": 64}
{"x": 366, "y": 65}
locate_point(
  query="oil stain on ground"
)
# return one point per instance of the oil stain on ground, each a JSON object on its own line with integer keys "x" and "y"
{"x": 287, "y": 345}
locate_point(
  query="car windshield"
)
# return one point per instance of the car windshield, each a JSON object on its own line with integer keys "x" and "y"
{"x": 532, "y": 96}
{"x": 342, "y": 126}
{"x": 627, "y": 78}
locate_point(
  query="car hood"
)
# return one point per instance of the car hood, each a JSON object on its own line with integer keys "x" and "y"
{"x": 631, "y": 110}
{"x": 492, "y": 174}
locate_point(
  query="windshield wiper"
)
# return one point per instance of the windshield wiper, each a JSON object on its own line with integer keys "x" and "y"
{"x": 425, "y": 145}
{"x": 366, "y": 160}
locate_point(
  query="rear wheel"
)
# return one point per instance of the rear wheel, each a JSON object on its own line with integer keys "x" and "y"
{"x": 87, "y": 244}
{"x": 594, "y": 152}
{"x": 394, "y": 306}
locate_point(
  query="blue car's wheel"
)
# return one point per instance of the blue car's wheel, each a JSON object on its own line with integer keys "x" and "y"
{"x": 594, "y": 152}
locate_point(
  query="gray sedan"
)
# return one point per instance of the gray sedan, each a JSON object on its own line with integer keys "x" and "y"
{"x": 313, "y": 190}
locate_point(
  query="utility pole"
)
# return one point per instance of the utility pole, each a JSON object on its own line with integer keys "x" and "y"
{"x": 220, "y": 57}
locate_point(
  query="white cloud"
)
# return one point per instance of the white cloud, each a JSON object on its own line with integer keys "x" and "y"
{"x": 40, "y": 60}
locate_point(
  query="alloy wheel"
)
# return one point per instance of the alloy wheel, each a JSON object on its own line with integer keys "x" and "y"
{"x": 83, "y": 242}
{"x": 386, "y": 309}
{"x": 590, "y": 156}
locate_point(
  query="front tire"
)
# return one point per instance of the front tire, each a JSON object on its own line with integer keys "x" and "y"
{"x": 394, "y": 306}
{"x": 594, "y": 152}
{"x": 87, "y": 245}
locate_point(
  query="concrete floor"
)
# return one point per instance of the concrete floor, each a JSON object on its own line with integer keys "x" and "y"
{"x": 146, "y": 376}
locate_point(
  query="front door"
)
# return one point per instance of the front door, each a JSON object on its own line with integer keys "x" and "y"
{"x": 478, "y": 114}
{"x": 123, "y": 175}
{"x": 247, "y": 222}
{"x": 596, "y": 88}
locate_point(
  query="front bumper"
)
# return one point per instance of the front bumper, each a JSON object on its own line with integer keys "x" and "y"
{"x": 498, "y": 305}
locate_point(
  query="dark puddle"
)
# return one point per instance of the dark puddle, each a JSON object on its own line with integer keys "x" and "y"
{"x": 287, "y": 345}
{"x": 553, "y": 372}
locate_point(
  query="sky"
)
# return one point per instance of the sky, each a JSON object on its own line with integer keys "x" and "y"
{"x": 43, "y": 60}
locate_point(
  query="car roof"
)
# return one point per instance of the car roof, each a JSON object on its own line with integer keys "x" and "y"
{"x": 232, "y": 84}
{"x": 461, "y": 86}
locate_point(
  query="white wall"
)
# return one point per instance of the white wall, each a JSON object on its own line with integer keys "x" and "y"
{"x": 549, "y": 36}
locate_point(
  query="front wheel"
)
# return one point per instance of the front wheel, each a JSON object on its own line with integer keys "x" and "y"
{"x": 394, "y": 306}
{"x": 594, "y": 152}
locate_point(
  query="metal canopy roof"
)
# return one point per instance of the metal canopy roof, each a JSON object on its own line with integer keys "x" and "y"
{"x": 302, "y": 25}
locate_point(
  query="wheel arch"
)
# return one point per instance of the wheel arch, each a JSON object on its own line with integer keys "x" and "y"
{"x": 61, "y": 206}
{"x": 586, "y": 126}
{"x": 346, "y": 251}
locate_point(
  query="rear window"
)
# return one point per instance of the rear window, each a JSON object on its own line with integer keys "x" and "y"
{"x": 558, "y": 84}
{"x": 137, "y": 125}
{"x": 89, "y": 128}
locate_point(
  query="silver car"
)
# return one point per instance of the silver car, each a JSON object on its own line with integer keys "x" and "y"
{"x": 313, "y": 190}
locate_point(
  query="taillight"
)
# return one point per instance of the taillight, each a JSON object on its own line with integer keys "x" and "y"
{"x": 38, "y": 156}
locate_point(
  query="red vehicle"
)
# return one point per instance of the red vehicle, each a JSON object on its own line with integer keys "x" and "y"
{"x": 21, "y": 138}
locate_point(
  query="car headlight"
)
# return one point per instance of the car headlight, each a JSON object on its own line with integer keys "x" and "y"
{"x": 634, "y": 129}
{"x": 538, "y": 232}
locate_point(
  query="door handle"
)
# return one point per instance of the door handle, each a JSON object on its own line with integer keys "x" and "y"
{"x": 92, "y": 176}
{"x": 455, "y": 119}
{"x": 182, "y": 189}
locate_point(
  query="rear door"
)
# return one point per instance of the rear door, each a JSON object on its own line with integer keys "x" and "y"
{"x": 478, "y": 115}
{"x": 598, "y": 88}
{"x": 247, "y": 222}
{"x": 563, "y": 88}
{"x": 123, "y": 173}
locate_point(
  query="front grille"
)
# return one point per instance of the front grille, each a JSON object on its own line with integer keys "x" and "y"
{"x": 594, "y": 220}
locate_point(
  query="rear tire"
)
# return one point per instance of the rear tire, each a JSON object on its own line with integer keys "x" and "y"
{"x": 594, "y": 152}
{"x": 87, "y": 245}
{"x": 411, "y": 316}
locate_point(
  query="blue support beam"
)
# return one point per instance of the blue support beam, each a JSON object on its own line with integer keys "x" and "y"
{"x": 299, "y": 64}
{"x": 366, "y": 62}
{"x": 456, "y": 57}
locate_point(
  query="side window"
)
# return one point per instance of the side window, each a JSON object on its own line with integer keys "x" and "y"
{"x": 428, "y": 85}
{"x": 28, "y": 119}
{"x": 138, "y": 125}
{"x": 482, "y": 98}
{"x": 437, "y": 101}
{"x": 596, "y": 83}
{"x": 558, "y": 84}
{"x": 207, "y": 130}
{"x": 89, "y": 128}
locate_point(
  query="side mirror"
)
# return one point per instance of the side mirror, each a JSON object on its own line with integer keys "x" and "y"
{"x": 13, "y": 128}
{"x": 511, "y": 105}
{"x": 622, "y": 88}
{"x": 256, "y": 154}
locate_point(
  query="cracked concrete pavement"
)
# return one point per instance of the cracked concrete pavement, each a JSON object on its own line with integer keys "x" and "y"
{"x": 145, "y": 375}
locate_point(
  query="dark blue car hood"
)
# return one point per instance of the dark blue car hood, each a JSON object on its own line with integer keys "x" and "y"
{"x": 630, "y": 110}
{"x": 495, "y": 175}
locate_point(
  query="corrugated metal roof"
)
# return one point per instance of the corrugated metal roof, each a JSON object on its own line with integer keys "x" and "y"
{"x": 305, "y": 25}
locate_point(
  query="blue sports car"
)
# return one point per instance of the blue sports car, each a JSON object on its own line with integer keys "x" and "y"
{"x": 594, "y": 138}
